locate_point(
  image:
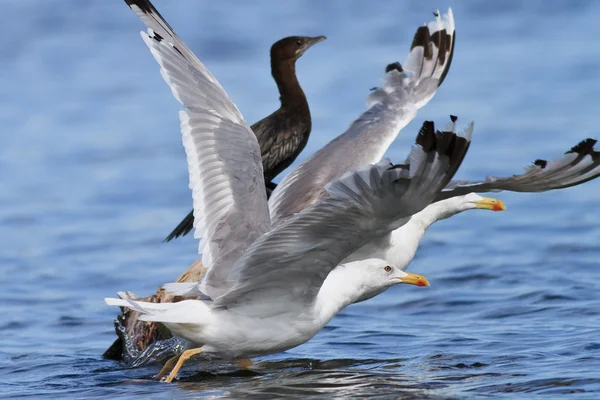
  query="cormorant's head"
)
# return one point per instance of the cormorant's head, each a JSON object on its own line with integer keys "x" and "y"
{"x": 292, "y": 47}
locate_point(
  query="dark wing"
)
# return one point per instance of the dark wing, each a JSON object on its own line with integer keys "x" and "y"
{"x": 578, "y": 165}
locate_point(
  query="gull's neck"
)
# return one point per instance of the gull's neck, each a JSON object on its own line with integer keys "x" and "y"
{"x": 405, "y": 240}
{"x": 342, "y": 287}
{"x": 437, "y": 211}
{"x": 400, "y": 246}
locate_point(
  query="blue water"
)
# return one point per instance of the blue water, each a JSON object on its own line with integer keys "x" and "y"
{"x": 93, "y": 177}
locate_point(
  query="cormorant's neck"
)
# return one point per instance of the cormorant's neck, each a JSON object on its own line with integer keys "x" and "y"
{"x": 290, "y": 92}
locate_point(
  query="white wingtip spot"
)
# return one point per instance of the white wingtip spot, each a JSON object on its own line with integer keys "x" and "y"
{"x": 449, "y": 18}
{"x": 467, "y": 133}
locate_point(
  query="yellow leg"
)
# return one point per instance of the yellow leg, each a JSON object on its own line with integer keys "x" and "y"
{"x": 167, "y": 367}
{"x": 244, "y": 363}
{"x": 186, "y": 355}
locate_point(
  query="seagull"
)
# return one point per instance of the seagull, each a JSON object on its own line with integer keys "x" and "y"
{"x": 270, "y": 289}
{"x": 281, "y": 135}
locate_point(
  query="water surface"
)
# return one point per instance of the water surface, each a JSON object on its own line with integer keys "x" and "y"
{"x": 94, "y": 176}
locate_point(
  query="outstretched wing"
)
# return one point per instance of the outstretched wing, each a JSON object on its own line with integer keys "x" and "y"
{"x": 406, "y": 88}
{"x": 289, "y": 264}
{"x": 226, "y": 176}
{"x": 578, "y": 165}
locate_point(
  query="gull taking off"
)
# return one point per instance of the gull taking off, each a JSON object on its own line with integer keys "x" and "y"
{"x": 268, "y": 290}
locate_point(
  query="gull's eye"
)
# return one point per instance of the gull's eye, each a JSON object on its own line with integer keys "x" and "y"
{"x": 299, "y": 42}
{"x": 388, "y": 268}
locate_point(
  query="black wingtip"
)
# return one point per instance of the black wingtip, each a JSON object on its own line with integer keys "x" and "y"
{"x": 426, "y": 137}
{"x": 157, "y": 37}
{"x": 423, "y": 38}
{"x": 147, "y": 8}
{"x": 584, "y": 147}
{"x": 446, "y": 142}
{"x": 184, "y": 227}
{"x": 453, "y": 118}
{"x": 450, "y": 57}
{"x": 394, "y": 66}
{"x": 144, "y": 5}
{"x": 540, "y": 163}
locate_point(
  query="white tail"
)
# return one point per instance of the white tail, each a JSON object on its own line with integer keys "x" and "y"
{"x": 185, "y": 289}
{"x": 187, "y": 311}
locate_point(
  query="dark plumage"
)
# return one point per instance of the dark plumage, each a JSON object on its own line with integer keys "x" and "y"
{"x": 283, "y": 134}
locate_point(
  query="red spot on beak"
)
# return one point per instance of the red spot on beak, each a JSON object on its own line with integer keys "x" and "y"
{"x": 498, "y": 207}
{"x": 421, "y": 282}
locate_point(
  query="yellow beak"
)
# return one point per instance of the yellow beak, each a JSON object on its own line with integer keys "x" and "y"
{"x": 489, "y": 203}
{"x": 414, "y": 279}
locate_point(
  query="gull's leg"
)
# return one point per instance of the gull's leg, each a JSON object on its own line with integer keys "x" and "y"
{"x": 186, "y": 355}
{"x": 244, "y": 363}
{"x": 167, "y": 367}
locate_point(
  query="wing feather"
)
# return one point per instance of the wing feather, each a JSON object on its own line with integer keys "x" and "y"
{"x": 289, "y": 263}
{"x": 576, "y": 166}
{"x": 225, "y": 168}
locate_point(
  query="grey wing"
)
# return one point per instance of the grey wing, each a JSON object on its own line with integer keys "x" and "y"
{"x": 289, "y": 264}
{"x": 226, "y": 176}
{"x": 578, "y": 165}
{"x": 406, "y": 88}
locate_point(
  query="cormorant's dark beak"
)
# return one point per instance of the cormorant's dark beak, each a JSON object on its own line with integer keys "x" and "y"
{"x": 310, "y": 42}
{"x": 316, "y": 40}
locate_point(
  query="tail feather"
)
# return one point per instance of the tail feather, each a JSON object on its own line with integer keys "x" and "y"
{"x": 187, "y": 311}
{"x": 185, "y": 289}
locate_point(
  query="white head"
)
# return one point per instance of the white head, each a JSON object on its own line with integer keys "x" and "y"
{"x": 360, "y": 280}
{"x": 376, "y": 273}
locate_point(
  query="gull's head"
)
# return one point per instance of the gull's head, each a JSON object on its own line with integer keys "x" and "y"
{"x": 366, "y": 278}
{"x": 292, "y": 47}
{"x": 473, "y": 200}
{"x": 384, "y": 274}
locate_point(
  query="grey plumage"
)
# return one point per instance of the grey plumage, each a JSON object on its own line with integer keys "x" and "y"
{"x": 358, "y": 207}
{"x": 576, "y": 166}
